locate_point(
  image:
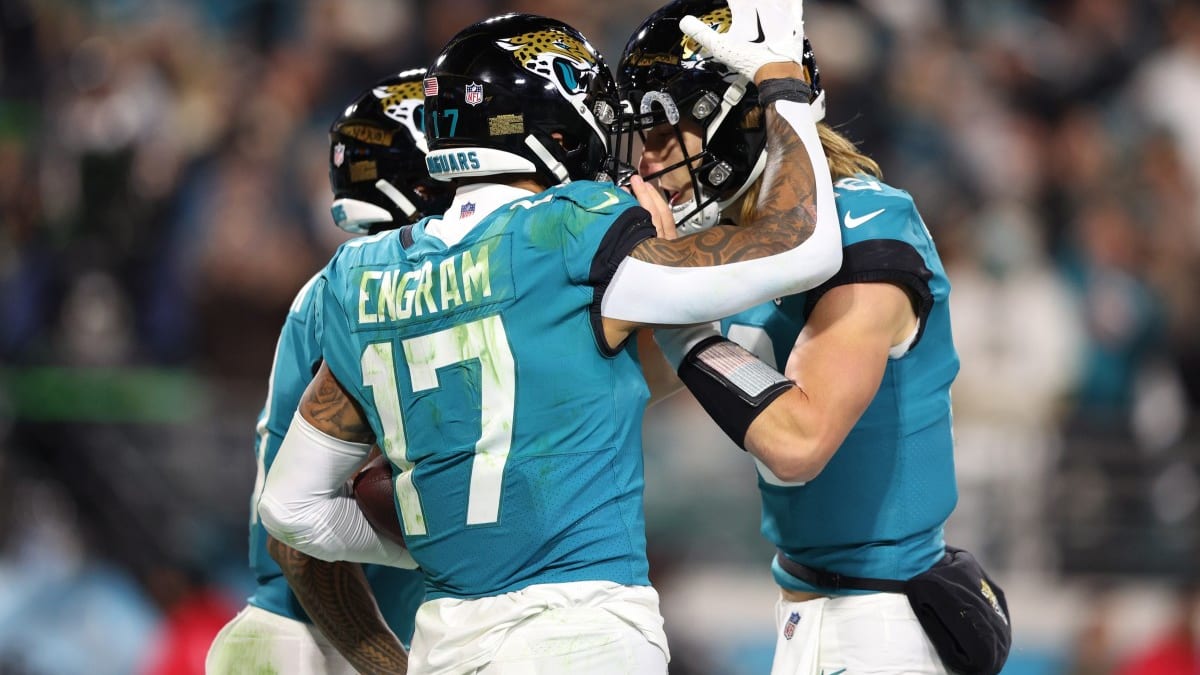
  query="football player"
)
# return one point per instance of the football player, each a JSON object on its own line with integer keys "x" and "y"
{"x": 377, "y": 171}
{"x": 855, "y": 460}
{"x": 487, "y": 353}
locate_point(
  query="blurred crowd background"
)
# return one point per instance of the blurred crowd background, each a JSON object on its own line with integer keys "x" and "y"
{"x": 164, "y": 193}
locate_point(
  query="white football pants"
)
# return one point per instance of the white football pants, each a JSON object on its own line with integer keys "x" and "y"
{"x": 873, "y": 634}
{"x": 258, "y": 641}
{"x": 580, "y": 628}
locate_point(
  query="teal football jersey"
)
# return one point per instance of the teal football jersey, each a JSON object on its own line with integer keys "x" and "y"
{"x": 297, "y": 355}
{"x": 878, "y": 508}
{"x": 514, "y": 433}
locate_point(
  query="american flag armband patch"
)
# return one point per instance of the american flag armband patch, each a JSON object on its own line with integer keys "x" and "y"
{"x": 731, "y": 384}
{"x": 731, "y": 362}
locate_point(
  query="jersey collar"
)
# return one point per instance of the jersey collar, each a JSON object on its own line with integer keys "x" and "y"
{"x": 472, "y": 203}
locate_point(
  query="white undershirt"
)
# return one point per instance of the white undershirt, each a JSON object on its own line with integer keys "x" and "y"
{"x": 479, "y": 199}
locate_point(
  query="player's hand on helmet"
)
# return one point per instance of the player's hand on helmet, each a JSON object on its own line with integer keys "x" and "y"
{"x": 763, "y": 32}
{"x": 651, "y": 199}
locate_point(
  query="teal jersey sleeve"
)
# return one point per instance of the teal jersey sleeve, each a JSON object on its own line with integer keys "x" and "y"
{"x": 606, "y": 210}
{"x": 885, "y": 240}
{"x": 878, "y": 507}
{"x": 515, "y": 439}
{"x": 297, "y": 356}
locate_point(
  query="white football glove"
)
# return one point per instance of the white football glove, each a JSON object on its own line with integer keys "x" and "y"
{"x": 762, "y": 32}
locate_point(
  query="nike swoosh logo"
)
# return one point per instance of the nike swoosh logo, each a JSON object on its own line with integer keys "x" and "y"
{"x": 851, "y": 223}
{"x": 836, "y": 672}
{"x": 761, "y": 36}
{"x": 612, "y": 199}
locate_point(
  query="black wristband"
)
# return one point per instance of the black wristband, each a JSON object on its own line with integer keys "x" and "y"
{"x": 731, "y": 384}
{"x": 784, "y": 89}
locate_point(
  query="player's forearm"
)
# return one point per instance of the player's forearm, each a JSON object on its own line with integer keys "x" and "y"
{"x": 797, "y": 194}
{"x": 339, "y": 601}
{"x": 306, "y": 502}
{"x": 793, "y": 243}
{"x": 658, "y": 371}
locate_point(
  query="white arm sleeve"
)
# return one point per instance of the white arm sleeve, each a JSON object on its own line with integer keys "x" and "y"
{"x": 307, "y": 503}
{"x": 658, "y": 294}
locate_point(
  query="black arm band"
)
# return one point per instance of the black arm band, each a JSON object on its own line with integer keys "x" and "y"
{"x": 784, "y": 89}
{"x": 731, "y": 384}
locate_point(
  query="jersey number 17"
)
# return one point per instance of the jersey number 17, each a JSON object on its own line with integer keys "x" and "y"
{"x": 483, "y": 339}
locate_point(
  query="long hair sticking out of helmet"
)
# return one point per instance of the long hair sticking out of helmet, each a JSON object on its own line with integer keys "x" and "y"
{"x": 520, "y": 94}
{"x": 843, "y": 156}
{"x": 664, "y": 77}
{"x": 377, "y": 158}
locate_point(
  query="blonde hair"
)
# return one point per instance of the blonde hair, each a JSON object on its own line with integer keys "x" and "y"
{"x": 844, "y": 159}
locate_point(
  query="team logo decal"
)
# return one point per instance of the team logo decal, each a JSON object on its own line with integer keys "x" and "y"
{"x": 789, "y": 629}
{"x": 405, "y": 103}
{"x": 339, "y": 154}
{"x": 474, "y": 94}
{"x": 986, "y": 589}
{"x": 567, "y": 62}
{"x": 555, "y": 56}
{"x": 719, "y": 20}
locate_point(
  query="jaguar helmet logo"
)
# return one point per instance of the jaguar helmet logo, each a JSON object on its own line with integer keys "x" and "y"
{"x": 556, "y": 56}
{"x": 404, "y": 103}
{"x": 719, "y": 20}
{"x": 565, "y": 61}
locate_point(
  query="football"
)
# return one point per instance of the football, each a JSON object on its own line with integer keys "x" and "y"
{"x": 376, "y": 498}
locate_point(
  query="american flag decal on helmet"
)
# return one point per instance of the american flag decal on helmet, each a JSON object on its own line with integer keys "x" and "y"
{"x": 431, "y": 86}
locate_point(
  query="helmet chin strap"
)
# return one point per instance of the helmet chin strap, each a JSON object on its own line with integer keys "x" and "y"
{"x": 690, "y": 219}
{"x": 556, "y": 168}
{"x": 397, "y": 197}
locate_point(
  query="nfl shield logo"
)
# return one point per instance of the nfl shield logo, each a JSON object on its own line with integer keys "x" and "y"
{"x": 474, "y": 95}
{"x": 789, "y": 630}
{"x": 467, "y": 210}
{"x": 339, "y": 154}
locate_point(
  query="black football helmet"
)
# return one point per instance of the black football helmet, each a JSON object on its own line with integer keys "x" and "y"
{"x": 664, "y": 77}
{"x": 502, "y": 88}
{"x": 377, "y": 159}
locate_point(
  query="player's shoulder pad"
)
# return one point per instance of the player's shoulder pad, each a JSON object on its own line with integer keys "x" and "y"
{"x": 865, "y": 192}
{"x": 365, "y": 250}
{"x": 596, "y": 197}
{"x": 871, "y": 209}
{"x": 302, "y": 302}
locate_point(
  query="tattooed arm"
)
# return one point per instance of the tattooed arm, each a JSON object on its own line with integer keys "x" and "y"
{"x": 331, "y": 410}
{"x": 306, "y": 502}
{"x": 792, "y": 244}
{"x": 338, "y": 600}
{"x": 314, "y": 521}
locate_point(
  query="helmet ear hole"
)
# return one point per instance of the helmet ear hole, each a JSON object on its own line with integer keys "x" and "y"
{"x": 565, "y": 142}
